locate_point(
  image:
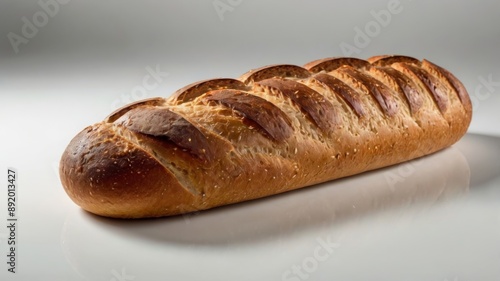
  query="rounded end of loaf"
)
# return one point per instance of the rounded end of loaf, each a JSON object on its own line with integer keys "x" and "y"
{"x": 107, "y": 175}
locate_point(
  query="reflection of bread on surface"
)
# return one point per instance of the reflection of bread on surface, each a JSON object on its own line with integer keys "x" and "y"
{"x": 426, "y": 180}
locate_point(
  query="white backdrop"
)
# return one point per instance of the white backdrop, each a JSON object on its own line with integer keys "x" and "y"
{"x": 67, "y": 64}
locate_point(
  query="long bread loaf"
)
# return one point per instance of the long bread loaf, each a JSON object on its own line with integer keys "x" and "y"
{"x": 275, "y": 129}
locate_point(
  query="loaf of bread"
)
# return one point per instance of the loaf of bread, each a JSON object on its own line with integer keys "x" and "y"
{"x": 273, "y": 130}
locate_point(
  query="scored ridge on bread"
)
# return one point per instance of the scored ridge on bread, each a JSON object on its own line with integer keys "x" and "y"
{"x": 275, "y": 129}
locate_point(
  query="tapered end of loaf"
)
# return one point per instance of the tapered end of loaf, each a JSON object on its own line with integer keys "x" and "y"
{"x": 107, "y": 175}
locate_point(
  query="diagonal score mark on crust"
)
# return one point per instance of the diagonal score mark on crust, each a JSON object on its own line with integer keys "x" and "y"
{"x": 330, "y": 64}
{"x": 124, "y": 109}
{"x": 377, "y": 89}
{"x": 457, "y": 86}
{"x": 406, "y": 86}
{"x": 273, "y": 71}
{"x": 269, "y": 117}
{"x": 344, "y": 91}
{"x": 163, "y": 122}
{"x": 194, "y": 90}
{"x": 314, "y": 105}
{"x": 131, "y": 137}
{"x": 431, "y": 84}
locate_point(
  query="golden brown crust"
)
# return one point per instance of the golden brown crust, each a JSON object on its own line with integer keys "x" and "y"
{"x": 313, "y": 104}
{"x": 194, "y": 90}
{"x": 276, "y": 129}
{"x": 431, "y": 84}
{"x": 448, "y": 76}
{"x": 379, "y": 91}
{"x": 124, "y": 109}
{"x": 108, "y": 175}
{"x": 343, "y": 90}
{"x": 163, "y": 123}
{"x": 271, "y": 71}
{"x": 257, "y": 110}
{"x": 406, "y": 86}
{"x": 330, "y": 64}
{"x": 387, "y": 60}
